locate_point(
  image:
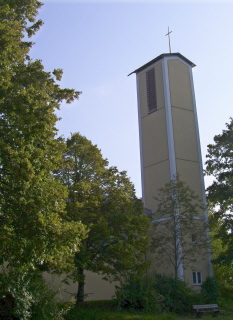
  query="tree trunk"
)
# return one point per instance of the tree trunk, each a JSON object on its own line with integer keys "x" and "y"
{"x": 81, "y": 283}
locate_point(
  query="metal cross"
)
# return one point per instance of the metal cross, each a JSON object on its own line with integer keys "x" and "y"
{"x": 168, "y": 34}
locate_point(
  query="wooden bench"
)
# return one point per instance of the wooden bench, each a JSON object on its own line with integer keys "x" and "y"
{"x": 206, "y": 308}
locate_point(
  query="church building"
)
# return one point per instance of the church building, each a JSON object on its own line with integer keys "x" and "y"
{"x": 169, "y": 140}
{"x": 169, "y": 145}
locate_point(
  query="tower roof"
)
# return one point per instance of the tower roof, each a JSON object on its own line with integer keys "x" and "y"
{"x": 177, "y": 54}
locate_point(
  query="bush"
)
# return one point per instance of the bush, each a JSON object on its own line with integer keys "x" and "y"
{"x": 226, "y": 292}
{"x": 178, "y": 297}
{"x": 156, "y": 293}
{"x": 139, "y": 294}
{"x": 210, "y": 291}
{"x": 32, "y": 297}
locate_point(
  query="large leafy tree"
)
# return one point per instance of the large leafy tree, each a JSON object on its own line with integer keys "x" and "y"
{"x": 104, "y": 200}
{"x": 223, "y": 272}
{"x": 179, "y": 234}
{"x": 33, "y": 224}
{"x": 219, "y": 164}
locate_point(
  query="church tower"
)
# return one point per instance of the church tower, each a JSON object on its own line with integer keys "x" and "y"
{"x": 169, "y": 136}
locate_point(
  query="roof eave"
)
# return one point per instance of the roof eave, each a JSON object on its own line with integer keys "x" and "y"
{"x": 161, "y": 57}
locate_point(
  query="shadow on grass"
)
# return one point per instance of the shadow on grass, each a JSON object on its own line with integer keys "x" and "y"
{"x": 107, "y": 310}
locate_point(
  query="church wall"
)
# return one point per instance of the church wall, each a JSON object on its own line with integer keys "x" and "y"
{"x": 154, "y": 153}
{"x": 170, "y": 143}
{"x": 159, "y": 86}
{"x": 154, "y": 131}
{"x": 184, "y": 127}
{"x": 155, "y": 177}
{"x": 180, "y": 87}
{"x": 159, "y": 90}
{"x": 95, "y": 287}
{"x": 160, "y": 267}
{"x": 142, "y": 95}
{"x": 185, "y": 138}
{"x": 200, "y": 265}
{"x": 190, "y": 172}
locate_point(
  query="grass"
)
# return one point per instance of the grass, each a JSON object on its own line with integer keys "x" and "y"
{"x": 107, "y": 310}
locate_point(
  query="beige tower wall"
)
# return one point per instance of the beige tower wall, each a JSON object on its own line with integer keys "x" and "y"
{"x": 154, "y": 148}
{"x": 95, "y": 287}
{"x": 169, "y": 141}
{"x": 184, "y": 127}
{"x": 180, "y": 87}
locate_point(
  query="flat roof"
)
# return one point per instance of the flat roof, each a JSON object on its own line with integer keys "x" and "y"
{"x": 177, "y": 54}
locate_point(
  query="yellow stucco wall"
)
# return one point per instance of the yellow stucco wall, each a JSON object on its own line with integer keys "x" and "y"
{"x": 189, "y": 172}
{"x": 154, "y": 138}
{"x": 159, "y": 90}
{"x": 95, "y": 287}
{"x": 160, "y": 267}
{"x": 180, "y": 88}
{"x": 154, "y": 144}
{"x": 184, "y": 129}
{"x": 155, "y": 177}
{"x": 185, "y": 138}
{"x": 200, "y": 265}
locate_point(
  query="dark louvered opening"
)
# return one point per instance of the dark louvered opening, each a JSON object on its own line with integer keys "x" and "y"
{"x": 151, "y": 90}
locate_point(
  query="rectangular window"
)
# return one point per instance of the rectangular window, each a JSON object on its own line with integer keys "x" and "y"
{"x": 197, "y": 278}
{"x": 151, "y": 91}
{"x": 194, "y": 240}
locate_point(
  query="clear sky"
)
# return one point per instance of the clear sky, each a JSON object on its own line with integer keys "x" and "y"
{"x": 98, "y": 43}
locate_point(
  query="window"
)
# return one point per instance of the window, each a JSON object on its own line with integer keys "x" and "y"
{"x": 197, "y": 278}
{"x": 151, "y": 91}
{"x": 194, "y": 239}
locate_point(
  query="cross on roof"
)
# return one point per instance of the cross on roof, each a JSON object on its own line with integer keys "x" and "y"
{"x": 168, "y": 34}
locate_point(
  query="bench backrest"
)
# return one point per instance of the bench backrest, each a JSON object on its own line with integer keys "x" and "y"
{"x": 205, "y": 306}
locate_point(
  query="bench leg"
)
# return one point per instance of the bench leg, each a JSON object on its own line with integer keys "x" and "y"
{"x": 199, "y": 314}
{"x": 216, "y": 313}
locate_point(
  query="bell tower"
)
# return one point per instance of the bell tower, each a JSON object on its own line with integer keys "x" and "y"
{"x": 168, "y": 131}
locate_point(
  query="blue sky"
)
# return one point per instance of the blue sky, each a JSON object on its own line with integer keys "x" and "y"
{"x": 98, "y": 43}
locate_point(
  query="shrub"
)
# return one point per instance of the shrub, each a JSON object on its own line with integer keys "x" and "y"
{"x": 139, "y": 294}
{"x": 156, "y": 293}
{"x": 33, "y": 298}
{"x": 210, "y": 291}
{"x": 226, "y": 292}
{"x": 178, "y": 297}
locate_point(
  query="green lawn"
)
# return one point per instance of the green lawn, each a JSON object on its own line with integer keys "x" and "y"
{"x": 106, "y": 310}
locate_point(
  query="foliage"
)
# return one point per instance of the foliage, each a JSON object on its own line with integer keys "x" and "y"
{"x": 156, "y": 293}
{"x": 210, "y": 291}
{"x": 178, "y": 297}
{"x": 220, "y": 194}
{"x": 34, "y": 299}
{"x": 139, "y": 294}
{"x": 17, "y": 20}
{"x": 179, "y": 227}
{"x": 104, "y": 200}
{"x": 226, "y": 303}
{"x": 222, "y": 272}
{"x": 107, "y": 310}
{"x": 33, "y": 226}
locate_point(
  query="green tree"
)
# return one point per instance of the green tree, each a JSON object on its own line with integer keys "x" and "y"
{"x": 33, "y": 224}
{"x": 223, "y": 272}
{"x": 219, "y": 164}
{"x": 179, "y": 234}
{"x": 104, "y": 200}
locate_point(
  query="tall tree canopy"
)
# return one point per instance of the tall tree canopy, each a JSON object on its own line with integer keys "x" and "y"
{"x": 219, "y": 164}
{"x": 104, "y": 200}
{"x": 223, "y": 272}
{"x": 33, "y": 224}
{"x": 179, "y": 227}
